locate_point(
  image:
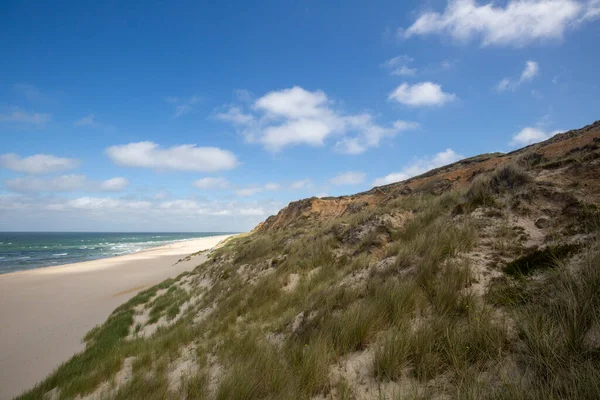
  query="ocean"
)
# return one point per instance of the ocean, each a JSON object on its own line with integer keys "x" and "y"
{"x": 28, "y": 250}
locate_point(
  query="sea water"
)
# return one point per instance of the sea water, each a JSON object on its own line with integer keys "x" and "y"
{"x": 27, "y": 250}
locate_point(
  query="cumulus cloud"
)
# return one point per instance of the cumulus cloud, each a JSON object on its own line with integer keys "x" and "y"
{"x": 37, "y": 164}
{"x": 517, "y": 23}
{"x": 114, "y": 184}
{"x": 530, "y": 71}
{"x": 421, "y": 94}
{"x": 296, "y": 116}
{"x": 16, "y": 115}
{"x": 211, "y": 183}
{"x": 186, "y": 157}
{"x": 420, "y": 166}
{"x": 530, "y": 135}
{"x": 65, "y": 183}
{"x": 371, "y": 133}
{"x": 349, "y": 178}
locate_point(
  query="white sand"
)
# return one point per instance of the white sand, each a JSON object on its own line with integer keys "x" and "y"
{"x": 45, "y": 312}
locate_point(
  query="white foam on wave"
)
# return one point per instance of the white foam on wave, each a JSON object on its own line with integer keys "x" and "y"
{"x": 60, "y": 254}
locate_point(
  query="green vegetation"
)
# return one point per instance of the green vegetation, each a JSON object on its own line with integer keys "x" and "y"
{"x": 436, "y": 302}
{"x": 485, "y": 188}
{"x": 167, "y": 304}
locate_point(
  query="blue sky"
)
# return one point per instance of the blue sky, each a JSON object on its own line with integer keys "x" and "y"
{"x": 204, "y": 116}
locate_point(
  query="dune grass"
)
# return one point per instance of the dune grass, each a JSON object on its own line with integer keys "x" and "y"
{"x": 399, "y": 289}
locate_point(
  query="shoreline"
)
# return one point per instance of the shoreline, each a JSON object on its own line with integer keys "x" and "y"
{"x": 47, "y": 311}
{"x": 159, "y": 247}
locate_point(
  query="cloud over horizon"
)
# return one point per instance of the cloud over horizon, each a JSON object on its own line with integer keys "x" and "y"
{"x": 37, "y": 164}
{"x": 65, "y": 183}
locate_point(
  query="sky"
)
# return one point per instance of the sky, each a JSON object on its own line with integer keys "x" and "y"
{"x": 195, "y": 116}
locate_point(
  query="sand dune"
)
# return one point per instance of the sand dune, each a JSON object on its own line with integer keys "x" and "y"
{"x": 46, "y": 312}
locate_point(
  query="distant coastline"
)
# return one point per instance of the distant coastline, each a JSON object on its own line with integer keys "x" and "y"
{"x": 46, "y": 311}
{"x": 21, "y": 251}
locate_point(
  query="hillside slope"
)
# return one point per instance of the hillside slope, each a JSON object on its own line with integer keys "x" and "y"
{"x": 480, "y": 279}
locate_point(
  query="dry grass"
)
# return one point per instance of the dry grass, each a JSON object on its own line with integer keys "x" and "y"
{"x": 402, "y": 293}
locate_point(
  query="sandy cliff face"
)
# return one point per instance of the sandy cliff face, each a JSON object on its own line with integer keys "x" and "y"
{"x": 562, "y": 148}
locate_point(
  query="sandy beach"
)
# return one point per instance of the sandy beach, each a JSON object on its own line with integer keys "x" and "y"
{"x": 45, "y": 312}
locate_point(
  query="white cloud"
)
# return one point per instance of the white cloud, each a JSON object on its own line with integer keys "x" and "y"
{"x": 65, "y": 183}
{"x": 530, "y": 71}
{"x": 349, "y": 178}
{"x": 161, "y": 195}
{"x": 295, "y": 103}
{"x": 503, "y": 85}
{"x": 399, "y": 66}
{"x": 252, "y": 211}
{"x": 183, "y": 106}
{"x": 530, "y": 135}
{"x": 301, "y": 184}
{"x": 114, "y": 184}
{"x": 180, "y": 205}
{"x": 305, "y": 131}
{"x": 349, "y": 145}
{"x": 420, "y": 166}
{"x": 88, "y": 120}
{"x": 110, "y": 213}
{"x": 248, "y": 191}
{"x": 100, "y": 203}
{"x": 404, "y": 71}
{"x": 421, "y": 95}
{"x": 23, "y": 117}
{"x": 235, "y": 115}
{"x": 405, "y": 125}
{"x": 185, "y": 157}
{"x": 211, "y": 183}
{"x": 371, "y": 134}
{"x": 296, "y": 116}
{"x": 37, "y": 164}
{"x": 252, "y": 190}
{"x": 517, "y": 23}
